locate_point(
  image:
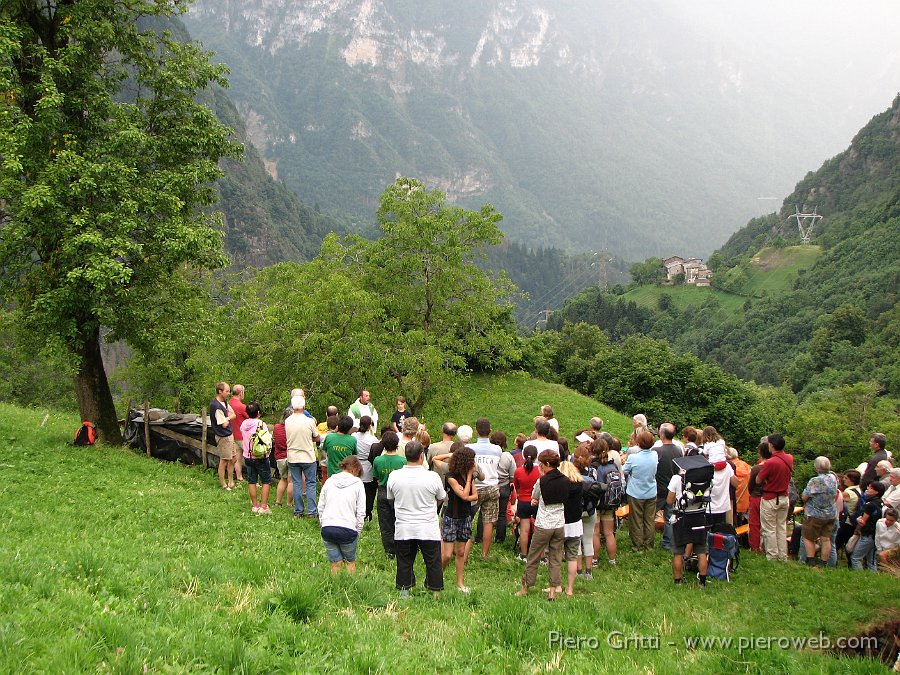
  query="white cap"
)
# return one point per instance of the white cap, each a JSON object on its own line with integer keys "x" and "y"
{"x": 298, "y": 402}
{"x": 464, "y": 433}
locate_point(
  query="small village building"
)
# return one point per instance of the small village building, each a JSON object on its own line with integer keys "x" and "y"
{"x": 694, "y": 270}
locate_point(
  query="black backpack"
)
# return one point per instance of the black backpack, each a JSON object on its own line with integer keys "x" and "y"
{"x": 696, "y": 474}
{"x": 846, "y": 516}
{"x": 589, "y": 496}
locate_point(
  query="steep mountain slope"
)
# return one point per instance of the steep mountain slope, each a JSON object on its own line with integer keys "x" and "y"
{"x": 613, "y": 126}
{"x": 838, "y": 321}
{"x": 264, "y": 222}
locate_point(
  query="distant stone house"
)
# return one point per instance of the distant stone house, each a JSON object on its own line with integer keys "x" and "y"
{"x": 694, "y": 270}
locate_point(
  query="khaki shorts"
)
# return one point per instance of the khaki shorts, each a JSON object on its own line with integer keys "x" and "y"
{"x": 489, "y": 504}
{"x": 813, "y": 528}
{"x": 283, "y": 469}
{"x": 225, "y": 448}
{"x": 571, "y": 548}
{"x": 608, "y": 515}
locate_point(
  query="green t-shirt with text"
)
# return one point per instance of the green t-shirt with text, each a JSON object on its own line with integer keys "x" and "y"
{"x": 337, "y": 446}
{"x": 383, "y": 466}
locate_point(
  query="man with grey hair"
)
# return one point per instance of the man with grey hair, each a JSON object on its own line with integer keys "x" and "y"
{"x": 240, "y": 412}
{"x": 666, "y": 452}
{"x": 883, "y": 471}
{"x": 877, "y": 443}
{"x": 596, "y": 424}
{"x": 891, "y": 496}
{"x": 820, "y": 512}
{"x": 297, "y": 392}
{"x": 302, "y": 437}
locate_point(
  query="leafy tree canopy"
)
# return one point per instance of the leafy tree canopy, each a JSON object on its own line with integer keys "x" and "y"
{"x": 407, "y": 314}
{"x": 105, "y": 159}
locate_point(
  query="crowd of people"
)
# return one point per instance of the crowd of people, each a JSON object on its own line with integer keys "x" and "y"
{"x": 561, "y": 501}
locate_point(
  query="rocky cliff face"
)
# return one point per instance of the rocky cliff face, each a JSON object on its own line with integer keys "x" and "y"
{"x": 600, "y": 125}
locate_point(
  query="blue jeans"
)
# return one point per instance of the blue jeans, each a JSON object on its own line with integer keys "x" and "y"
{"x": 667, "y": 541}
{"x": 308, "y": 470}
{"x": 864, "y": 550}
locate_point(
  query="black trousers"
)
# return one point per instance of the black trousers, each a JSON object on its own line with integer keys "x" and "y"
{"x": 406, "y": 556}
{"x": 386, "y": 520}
{"x": 371, "y": 489}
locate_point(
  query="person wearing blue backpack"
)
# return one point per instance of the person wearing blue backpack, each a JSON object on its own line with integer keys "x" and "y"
{"x": 609, "y": 481}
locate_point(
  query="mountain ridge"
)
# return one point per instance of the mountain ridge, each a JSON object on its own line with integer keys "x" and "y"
{"x": 572, "y": 125}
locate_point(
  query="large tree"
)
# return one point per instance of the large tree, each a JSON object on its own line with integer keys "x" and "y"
{"x": 105, "y": 162}
{"x": 442, "y": 314}
{"x": 406, "y": 314}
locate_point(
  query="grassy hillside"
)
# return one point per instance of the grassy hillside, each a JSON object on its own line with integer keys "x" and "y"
{"x": 770, "y": 272}
{"x": 774, "y": 270}
{"x": 683, "y": 297}
{"x": 511, "y": 402}
{"x": 113, "y": 562}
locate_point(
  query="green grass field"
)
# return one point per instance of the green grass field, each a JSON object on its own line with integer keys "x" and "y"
{"x": 774, "y": 270}
{"x": 113, "y": 562}
{"x": 513, "y": 400}
{"x": 683, "y": 297}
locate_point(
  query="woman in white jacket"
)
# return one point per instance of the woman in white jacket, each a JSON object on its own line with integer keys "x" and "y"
{"x": 342, "y": 509}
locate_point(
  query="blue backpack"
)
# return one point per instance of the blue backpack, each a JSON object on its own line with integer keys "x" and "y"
{"x": 724, "y": 552}
{"x": 588, "y": 496}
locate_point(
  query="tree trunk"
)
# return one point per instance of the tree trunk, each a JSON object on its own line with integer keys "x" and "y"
{"x": 92, "y": 389}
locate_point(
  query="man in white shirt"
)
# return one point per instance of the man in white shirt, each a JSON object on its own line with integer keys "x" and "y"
{"x": 415, "y": 491}
{"x": 487, "y": 458}
{"x": 887, "y": 536}
{"x": 302, "y": 437}
{"x": 363, "y": 406}
{"x": 541, "y": 443}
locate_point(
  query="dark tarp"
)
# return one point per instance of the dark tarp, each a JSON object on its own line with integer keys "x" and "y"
{"x": 162, "y": 447}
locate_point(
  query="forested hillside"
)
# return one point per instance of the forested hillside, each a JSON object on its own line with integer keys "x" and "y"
{"x": 265, "y": 223}
{"x": 837, "y": 322}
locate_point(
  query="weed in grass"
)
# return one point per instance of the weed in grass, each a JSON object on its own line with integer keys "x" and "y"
{"x": 302, "y": 603}
{"x": 85, "y": 567}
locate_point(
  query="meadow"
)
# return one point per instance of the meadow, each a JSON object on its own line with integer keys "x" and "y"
{"x": 113, "y": 562}
{"x": 770, "y": 272}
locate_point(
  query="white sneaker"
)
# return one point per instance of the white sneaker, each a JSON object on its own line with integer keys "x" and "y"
{"x": 463, "y": 589}
{"x": 265, "y": 510}
{"x": 256, "y": 510}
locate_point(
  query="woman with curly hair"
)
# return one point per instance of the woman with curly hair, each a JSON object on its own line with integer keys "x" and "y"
{"x": 456, "y": 523}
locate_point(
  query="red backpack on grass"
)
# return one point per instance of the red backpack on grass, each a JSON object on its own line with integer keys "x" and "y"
{"x": 86, "y": 434}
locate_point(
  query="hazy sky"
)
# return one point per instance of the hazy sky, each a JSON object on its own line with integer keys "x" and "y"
{"x": 845, "y": 53}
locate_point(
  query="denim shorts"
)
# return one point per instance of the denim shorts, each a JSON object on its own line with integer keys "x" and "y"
{"x": 258, "y": 471}
{"x": 341, "y": 552}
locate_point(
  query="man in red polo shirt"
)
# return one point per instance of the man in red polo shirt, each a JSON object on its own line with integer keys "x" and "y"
{"x": 775, "y": 477}
{"x": 240, "y": 410}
